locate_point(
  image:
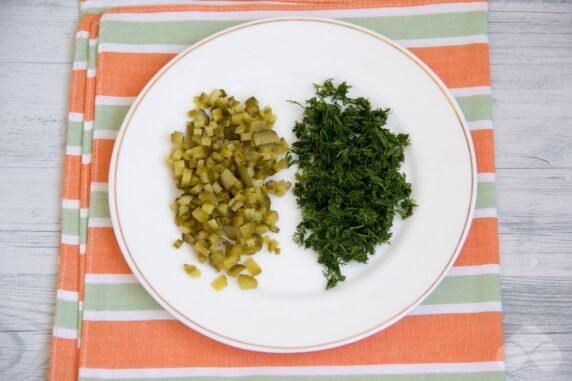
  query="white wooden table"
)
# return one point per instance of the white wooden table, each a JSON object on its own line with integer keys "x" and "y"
{"x": 531, "y": 59}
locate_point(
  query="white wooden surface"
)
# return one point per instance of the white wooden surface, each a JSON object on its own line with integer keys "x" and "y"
{"x": 531, "y": 60}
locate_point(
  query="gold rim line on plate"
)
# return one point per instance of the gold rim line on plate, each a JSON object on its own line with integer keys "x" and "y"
{"x": 330, "y": 344}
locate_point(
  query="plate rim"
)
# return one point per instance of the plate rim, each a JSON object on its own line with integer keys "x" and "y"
{"x": 115, "y": 220}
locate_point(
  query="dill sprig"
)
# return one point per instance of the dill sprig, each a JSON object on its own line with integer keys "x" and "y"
{"x": 349, "y": 182}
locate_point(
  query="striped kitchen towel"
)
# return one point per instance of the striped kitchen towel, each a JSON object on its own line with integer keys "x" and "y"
{"x": 108, "y": 328}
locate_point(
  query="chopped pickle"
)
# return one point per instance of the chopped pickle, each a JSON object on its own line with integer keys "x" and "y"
{"x": 207, "y": 207}
{"x": 192, "y": 270}
{"x": 271, "y": 218}
{"x": 229, "y": 262}
{"x": 244, "y": 175}
{"x": 200, "y": 215}
{"x": 228, "y": 179}
{"x": 186, "y": 178}
{"x": 213, "y": 224}
{"x": 177, "y": 137}
{"x": 279, "y": 188}
{"x": 235, "y": 270}
{"x": 246, "y": 282}
{"x": 200, "y": 246}
{"x": 273, "y": 246}
{"x": 219, "y": 283}
{"x": 252, "y": 266}
{"x": 185, "y": 200}
{"x": 247, "y": 229}
{"x": 221, "y": 167}
{"x": 265, "y": 137}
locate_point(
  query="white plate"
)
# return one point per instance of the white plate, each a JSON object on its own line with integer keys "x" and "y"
{"x": 277, "y": 60}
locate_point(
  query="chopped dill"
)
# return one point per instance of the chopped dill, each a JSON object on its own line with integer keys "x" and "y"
{"x": 349, "y": 183}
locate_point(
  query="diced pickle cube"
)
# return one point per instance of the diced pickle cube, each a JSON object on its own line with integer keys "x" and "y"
{"x": 200, "y": 152}
{"x": 219, "y": 283}
{"x": 185, "y": 200}
{"x": 246, "y": 282}
{"x": 258, "y": 125}
{"x": 186, "y": 178}
{"x": 177, "y": 137}
{"x": 200, "y": 215}
{"x": 213, "y": 224}
{"x": 247, "y": 229}
{"x": 208, "y": 208}
{"x": 265, "y": 137}
{"x": 192, "y": 270}
{"x": 271, "y": 218}
{"x": 235, "y": 270}
{"x": 252, "y": 266}
{"x": 230, "y": 262}
{"x": 228, "y": 179}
